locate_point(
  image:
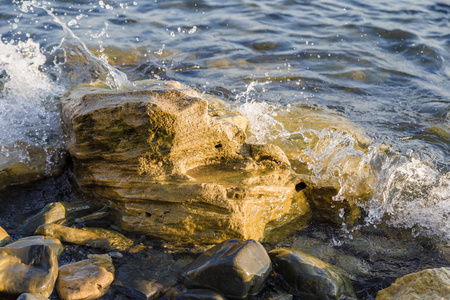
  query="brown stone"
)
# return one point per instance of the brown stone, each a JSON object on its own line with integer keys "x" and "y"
{"x": 28, "y": 269}
{"x": 86, "y": 279}
{"x": 40, "y": 163}
{"x": 38, "y": 240}
{"x": 426, "y": 284}
{"x": 170, "y": 169}
{"x": 4, "y": 237}
{"x": 93, "y": 237}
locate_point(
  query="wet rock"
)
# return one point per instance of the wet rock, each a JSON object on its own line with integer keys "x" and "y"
{"x": 426, "y": 284}
{"x": 4, "y": 237}
{"x": 24, "y": 163}
{"x": 29, "y": 269}
{"x": 51, "y": 213}
{"x": 236, "y": 268}
{"x": 38, "y": 240}
{"x": 310, "y": 277}
{"x": 149, "y": 277}
{"x": 94, "y": 237}
{"x": 196, "y": 294}
{"x": 170, "y": 169}
{"x": 32, "y": 296}
{"x": 86, "y": 279}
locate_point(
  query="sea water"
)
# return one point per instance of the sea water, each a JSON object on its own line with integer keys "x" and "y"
{"x": 381, "y": 69}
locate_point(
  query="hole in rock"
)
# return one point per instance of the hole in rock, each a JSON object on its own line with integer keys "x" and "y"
{"x": 300, "y": 186}
{"x": 218, "y": 146}
{"x": 148, "y": 215}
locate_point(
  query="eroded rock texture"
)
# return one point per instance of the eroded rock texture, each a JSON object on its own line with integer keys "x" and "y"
{"x": 168, "y": 168}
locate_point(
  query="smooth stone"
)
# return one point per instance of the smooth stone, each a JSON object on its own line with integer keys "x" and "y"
{"x": 4, "y": 237}
{"x": 92, "y": 237}
{"x": 196, "y": 294}
{"x": 32, "y": 296}
{"x": 149, "y": 277}
{"x": 41, "y": 163}
{"x": 28, "y": 269}
{"x": 236, "y": 268}
{"x": 38, "y": 240}
{"x": 426, "y": 284}
{"x": 169, "y": 167}
{"x": 86, "y": 279}
{"x": 310, "y": 277}
{"x": 51, "y": 213}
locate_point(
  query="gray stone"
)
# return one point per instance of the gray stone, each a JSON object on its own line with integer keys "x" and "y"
{"x": 149, "y": 277}
{"x": 236, "y": 268}
{"x": 310, "y": 277}
{"x": 51, "y": 213}
{"x": 28, "y": 269}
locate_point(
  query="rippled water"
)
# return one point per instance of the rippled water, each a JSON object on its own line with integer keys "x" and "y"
{"x": 383, "y": 66}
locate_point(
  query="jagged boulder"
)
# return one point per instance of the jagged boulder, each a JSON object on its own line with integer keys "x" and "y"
{"x": 168, "y": 168}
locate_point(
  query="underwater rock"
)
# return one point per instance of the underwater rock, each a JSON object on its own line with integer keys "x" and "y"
{"x": 25, "y": 163}
{"x": 4, "y": 236}
{"x": 195, "y": 294}
{"x": 28, "y": 269}
{"x": 93, "y": 237}
{"x": 310, "y": 277}
{"x": 149, "y": 278}
{"x": 426, "y": 284}
{"x": 86, "y": 279}
{"x": 236, "y": 268}
{"x": 168, "y": 168}
{"x": 32, "y": 296}
{"x": 38, "y": 240}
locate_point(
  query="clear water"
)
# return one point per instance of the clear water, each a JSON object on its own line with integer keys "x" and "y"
{"x": 381, "y": 68}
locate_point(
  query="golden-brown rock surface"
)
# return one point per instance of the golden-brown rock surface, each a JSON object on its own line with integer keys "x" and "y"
{"x": 170, "y": 168}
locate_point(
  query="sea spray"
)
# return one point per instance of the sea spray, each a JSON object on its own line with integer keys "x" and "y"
{"x": 79, "y": 64}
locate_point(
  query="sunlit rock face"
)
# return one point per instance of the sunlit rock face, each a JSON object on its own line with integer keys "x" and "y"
{"x": 170, "y": 168}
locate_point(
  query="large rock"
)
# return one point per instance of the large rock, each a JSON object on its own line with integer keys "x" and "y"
{"x": 426, "y": 284}
{"x": 93, "y": 237}
{"x": 51, "y": 213}
{"x": 170, "y": 169}
{"x": 32, "y": 296}
{"x": 86, "y": 279}
{"x": 236, "y": 268}
{"x": 4, "y": 236}
{"x": 21, "y": 163}
{"x": 310, "y": 277}
{"x": 29, "y": 269}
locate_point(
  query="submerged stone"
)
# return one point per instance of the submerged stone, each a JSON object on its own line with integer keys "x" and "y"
{"x": 310, "y": 277}
{"x": 236, "y": 268}
{"x": 86, "y": 279}
{"x": 24, "y": 163}
{"x": 149, "y": 277}
{"x": 28, "y": 269}
{"x": 93, "y": 237}
{"x": 4, "y": 236}
{"x": 170, "y": 169}
{"x": 426, "y": 284}
{"x": 38, "y": 240}
{"x": 195, "y": 294}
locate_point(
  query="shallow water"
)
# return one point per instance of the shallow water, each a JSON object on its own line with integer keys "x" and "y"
{"x": 297, "y": 69}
